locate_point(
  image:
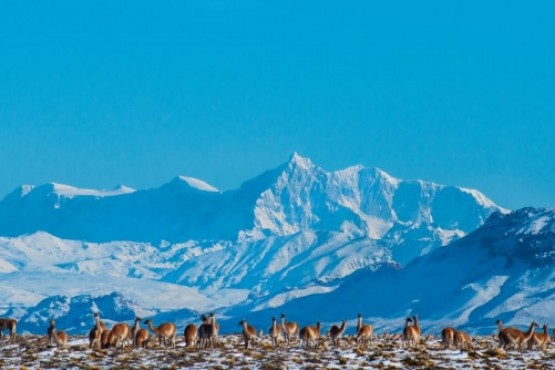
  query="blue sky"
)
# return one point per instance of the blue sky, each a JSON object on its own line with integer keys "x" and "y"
{"x": 96, "y": 94}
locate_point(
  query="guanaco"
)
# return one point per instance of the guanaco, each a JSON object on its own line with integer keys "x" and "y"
{"x": 411, "y": 335}
{"x": 448, "y": 337}
{"x": 190, "y": 335}
{"x": 289, "y": 329}
{"x": 249, "y": 333}
{"x": 214, "y": 330}
{"x": 141, "y": 338}
{"x": 95, "y": 335}
{"x": 8, "y": 324}
{"x": 516, "y": 337}
{"x": 463, "y": 340}
{"x": 55, "y": 337}
{"x": 105, "y": 339}
{"x": 165, "y": 332}
{"x": 275, "y": 332}
{"x": 310, "y": 333}
{"x": 364, "y": 332}
{"x": 120, "y": 333}
{"x": 336, "y": 332}
{"x": 539, "y": 339}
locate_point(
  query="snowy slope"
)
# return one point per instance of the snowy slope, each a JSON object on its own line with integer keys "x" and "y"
{"x": 40, "y": 265}
{"x": 76, "y": 313}
{"x": 503, "y": 270}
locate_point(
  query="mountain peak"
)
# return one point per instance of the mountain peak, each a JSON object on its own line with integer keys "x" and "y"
{"x": 195, "y": 183}
{"x": 297, "y": 160}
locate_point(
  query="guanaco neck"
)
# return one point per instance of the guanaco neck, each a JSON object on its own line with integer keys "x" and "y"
{"x": 97, "y": 321}
{"x": 530, "y": 332}
{"x": 136, "y": 326}
{"x": 151, "y": 327}
{"x": 274, "y": 325}
{"x": 359, "y": 324}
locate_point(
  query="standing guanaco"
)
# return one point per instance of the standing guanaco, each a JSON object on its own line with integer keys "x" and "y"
{"x": 539, "y": 339}
{"x": 95, "y": 335}
{"x": 249, "y": 333}
{"x": 289, "y": 329}
{"x": 165, "y": 332}
{"x": 275, "y": 332}
{"x": 55, "y": 337}
{"x": 310, "y": 333}
{"x": 516, "y": 337}
{"x": 364, "y": 332}
{"x": 336, "y": 332}
{"x": 190, "y": 335}
{"x": 8, "y": 324}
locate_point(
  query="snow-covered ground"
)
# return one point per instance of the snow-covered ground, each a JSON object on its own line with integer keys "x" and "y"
{"x": 384, "y": 352}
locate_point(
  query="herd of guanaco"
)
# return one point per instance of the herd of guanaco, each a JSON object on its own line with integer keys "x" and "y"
{"x": 206, "y": 334}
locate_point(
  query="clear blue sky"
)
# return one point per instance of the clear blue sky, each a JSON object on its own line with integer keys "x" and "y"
{"x": 100, "y": 93}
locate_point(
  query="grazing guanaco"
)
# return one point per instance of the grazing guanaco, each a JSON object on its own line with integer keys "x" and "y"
{"x": 448, "y": 337}
{"x": 310, "y": 333}
{"x": 411, "y": 334}
{"x": 8, "y": 324}
{"x": 55, "y": 337}
{"x": 120, "y": 333}
{"x": 249, "y": 333}
{"x": 275, "y": 332}
{"x": 463, "y": 340}
{"x": 516, "y": 337}
{"x": 336, "y": 332}
{"x": 289, "y": 329}
{"x": 190, "y": 335}
{"x": 95, "y": 335}
{"x": 141, "y": 338}
{"x": 105, "y": 339}
{"x": 364, "y": 332}
{"x": 539, "y": 339}
{"x": 165, "y": 332}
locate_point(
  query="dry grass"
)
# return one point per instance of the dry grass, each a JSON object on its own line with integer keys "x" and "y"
{"x": 384, "y": 352}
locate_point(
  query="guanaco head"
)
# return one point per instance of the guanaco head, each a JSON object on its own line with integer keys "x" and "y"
{"x": 147, "y": 322}
{"x": 359, "y": 315}
{"x": 242, "y": 322}
{"x": 283, "y": 316}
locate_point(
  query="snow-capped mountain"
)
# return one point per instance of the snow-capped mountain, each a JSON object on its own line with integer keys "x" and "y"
{"x": 292, "y": 232}
{"x": 297, "y": 196}
{"x": 503, "y": 270}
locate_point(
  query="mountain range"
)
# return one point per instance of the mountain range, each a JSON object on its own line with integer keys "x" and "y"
{"x": 296, "y": 235}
